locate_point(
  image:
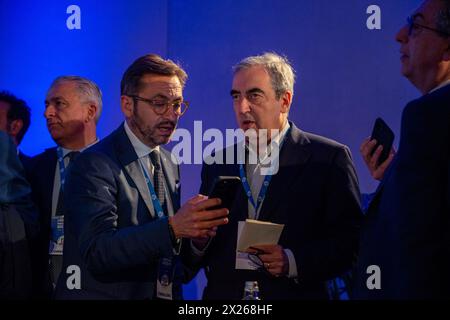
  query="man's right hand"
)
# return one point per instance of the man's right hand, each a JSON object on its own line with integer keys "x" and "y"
{"x": 194, "y": 220}
{"x": 371, "y": 160}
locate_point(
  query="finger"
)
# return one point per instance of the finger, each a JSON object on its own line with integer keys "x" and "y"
{"x": 265, "y": 248}
{"x": 386, "y": 163}
{"x": 270, "y": 258}
{"x": 364, "y": 144}
{"x": 211, "y": 223}
{"x": 211, "y": 214}
{"x": 197, "y": 199}
{"x": 366, "y": 148}
{"x": 373, "y": 163}
{"x": 208, "y": 203}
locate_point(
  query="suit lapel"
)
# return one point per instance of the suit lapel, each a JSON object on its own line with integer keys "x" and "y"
{"x": 240, "y": 205}
{"x": 129, "y": 160}
{"x": 47, "y": 176}
{"x": 171, "y": 177}
{"x": 293, "y": 154}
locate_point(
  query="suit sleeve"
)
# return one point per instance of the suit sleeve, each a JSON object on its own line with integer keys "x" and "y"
{"x": 92, "y": 214}
{"x": 334, "y": 253}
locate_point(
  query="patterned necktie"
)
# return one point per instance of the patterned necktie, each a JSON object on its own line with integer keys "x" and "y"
{"x": 60, "y": 206}
{"x": 56, "y": 261}
{"x": 158, "y": 179}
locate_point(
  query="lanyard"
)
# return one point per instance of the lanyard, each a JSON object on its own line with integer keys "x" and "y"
{"x": 264, "y": 187}
{"x": 262, "y": 191}
{"x": 156, "y": 204}
{"x": 62, "y": 167}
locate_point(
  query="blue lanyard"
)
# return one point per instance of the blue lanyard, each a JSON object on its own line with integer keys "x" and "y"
{"x": 156, "y": 204}
{"x": 62, "y": 167}
{"x": 262, "y": 191}
{"x": 264, "y": 187}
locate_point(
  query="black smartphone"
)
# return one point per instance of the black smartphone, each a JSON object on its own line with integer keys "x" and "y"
{"x": 225, "y": 188}
{"x": 384, "y": 136}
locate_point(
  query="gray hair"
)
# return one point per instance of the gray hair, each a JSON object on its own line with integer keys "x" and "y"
{"x": 443, "y": 18}
{"x": 279, "y": 69}
{"x": 86, "y": 88}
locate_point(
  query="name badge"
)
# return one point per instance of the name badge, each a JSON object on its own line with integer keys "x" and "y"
{"x": 57, "y": 236}
{"x": 165, "y": 279}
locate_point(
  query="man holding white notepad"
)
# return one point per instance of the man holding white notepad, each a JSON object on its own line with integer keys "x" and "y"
{"x": 308, "y": 186}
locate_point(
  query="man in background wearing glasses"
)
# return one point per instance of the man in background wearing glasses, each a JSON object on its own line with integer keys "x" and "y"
{"x": 407, "y": 231}
{"x": 124, "y": 223}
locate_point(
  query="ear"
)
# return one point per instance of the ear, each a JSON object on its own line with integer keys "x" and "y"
{"x": 286, "y": 100}
{"x": 92, "y": 112}
{"x": 127, "y": 106}
{"x": 14, "y": 127}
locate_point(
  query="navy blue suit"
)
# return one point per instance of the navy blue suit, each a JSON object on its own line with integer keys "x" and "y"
{"x": 111, "y": 231}
{"x": 315, "y": 194}
{"x": 407, "y": 227}
{"x": 41, "y": 175}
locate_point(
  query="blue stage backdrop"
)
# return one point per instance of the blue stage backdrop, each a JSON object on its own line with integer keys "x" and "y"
{"x": 347, "y": 74}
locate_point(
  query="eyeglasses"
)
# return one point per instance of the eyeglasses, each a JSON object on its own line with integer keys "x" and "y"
{"x": 414, "y": 27}
{"x": 255, "y": 259}
{"x": 161, "y": 107}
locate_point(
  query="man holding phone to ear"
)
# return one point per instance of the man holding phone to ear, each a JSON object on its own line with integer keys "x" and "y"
{"x": 407, "y": 229}
{"x": 314, "y": 193}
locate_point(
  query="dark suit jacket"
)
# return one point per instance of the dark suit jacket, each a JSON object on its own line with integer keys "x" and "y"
{"x": 315, "y": 194}
{"x": 24, "y": 159}
{"x": 40, "y": 171}
{"x": 18, "y": 224}
{"x": 407, "y": 228}
{"x": 110, "y": 229}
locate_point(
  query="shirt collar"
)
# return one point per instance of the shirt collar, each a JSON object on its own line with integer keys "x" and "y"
{"x": 278, "y": 139}
{"x": 443, "y": 84}
{"x": 141, "y": 149}
{"x": 67, "y": 151}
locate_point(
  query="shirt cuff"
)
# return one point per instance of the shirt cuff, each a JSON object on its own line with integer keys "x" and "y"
{"x": 292, "y": 264}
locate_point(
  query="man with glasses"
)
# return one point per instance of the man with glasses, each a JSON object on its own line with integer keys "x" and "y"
{"x": 407, "y": 228}
{"x": 124, "y": 224}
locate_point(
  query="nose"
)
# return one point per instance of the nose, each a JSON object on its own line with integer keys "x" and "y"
{"x": 242, "y": 106}
{"x": 402, "y": 35}
{"x": 171, "y": 114}
{"x": 49, "y": 111}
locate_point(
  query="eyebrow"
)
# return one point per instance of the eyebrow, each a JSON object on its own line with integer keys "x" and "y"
{"x": 255, "y": 90}
{"x": 55, "y": 99}
{"x": 164, "y": 97}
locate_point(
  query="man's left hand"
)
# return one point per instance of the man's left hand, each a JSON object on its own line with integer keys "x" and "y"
{"x": 273, "y": 257}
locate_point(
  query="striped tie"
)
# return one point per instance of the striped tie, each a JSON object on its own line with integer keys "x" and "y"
{"x": 158, "y": 179}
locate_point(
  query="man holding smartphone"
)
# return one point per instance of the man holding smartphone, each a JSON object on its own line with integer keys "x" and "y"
{"x": 314, "y": 193}
{"x": 407, "y": 229}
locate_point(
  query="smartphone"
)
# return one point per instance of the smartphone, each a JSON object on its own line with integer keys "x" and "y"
{"x": 384, "y": 136}
{"x": 226, "y": 188}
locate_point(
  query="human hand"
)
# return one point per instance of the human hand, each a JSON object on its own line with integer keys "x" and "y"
{"x": 371, "y": 160}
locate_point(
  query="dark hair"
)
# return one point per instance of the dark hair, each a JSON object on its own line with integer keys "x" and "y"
{"x": 149, "y": 64}
{"x": 18, "y": 110}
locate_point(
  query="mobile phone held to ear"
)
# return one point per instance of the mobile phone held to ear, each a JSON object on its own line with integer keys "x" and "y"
{"x": 225, "y": 188}
{"x": 384, "y": 136}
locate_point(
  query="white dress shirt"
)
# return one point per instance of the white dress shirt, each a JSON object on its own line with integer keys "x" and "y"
{"x": 143, "y": 151}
